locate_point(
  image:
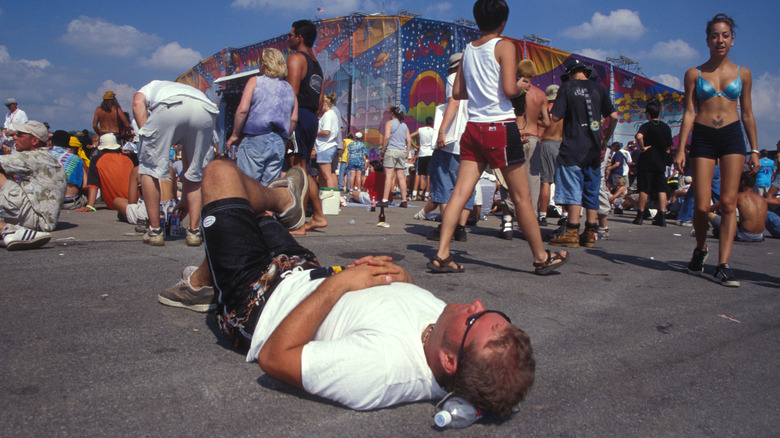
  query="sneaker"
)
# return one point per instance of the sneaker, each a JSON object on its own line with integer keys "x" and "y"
{"x": 154, "y": 237}
{"x": 660, "y": 219}
{"x": 602, "y": 233}
{"x": 435, "y": 234}
{"x": 724, "y": 275}
{"x": 696, "y": 265}
{"x": 460, "y": 234}
{"x": 618, "y": 210}
{"x": 420, "y": 215}
{"x": 570, "y": 238}
{"x": 588, "y": 237}
{"x": 17, "y": 238}
{"x": 183, "y": 295}
{"x": 543, "y": 221}
{"x": 194, "y": 237}
{"x": 639, "y": 219}
{"x": 297, "y": 182}
{"x": 563, "y": 220}
{"x": 684, "y": 223}
{"x": 506, "y": 232}
{"x": 403, "y": 204}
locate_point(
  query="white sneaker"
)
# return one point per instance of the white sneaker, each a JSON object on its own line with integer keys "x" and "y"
{"x": 18, "y": 238}
{"x": 420, "y": 215}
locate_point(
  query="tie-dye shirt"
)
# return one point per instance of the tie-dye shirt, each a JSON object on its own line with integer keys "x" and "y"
{"x": 72, "y": 164}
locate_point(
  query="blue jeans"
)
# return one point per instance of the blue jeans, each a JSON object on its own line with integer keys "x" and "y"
{"x": 773, "y": 224}
{"x": 261, "y": 156}
{"x": 342, "y": 170}
{"x": 444, "y": 173}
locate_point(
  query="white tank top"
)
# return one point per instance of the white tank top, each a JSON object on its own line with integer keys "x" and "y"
{"x": 487, "y": 101}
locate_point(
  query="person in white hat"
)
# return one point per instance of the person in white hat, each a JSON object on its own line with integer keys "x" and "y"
{"x": 109, "y": 171}
{"x": 33, "y": 204}
{"x": 14, "y": 116}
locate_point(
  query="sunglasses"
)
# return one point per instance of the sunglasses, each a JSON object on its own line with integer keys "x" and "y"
{"x": 470, "y": 322}
{"x": 19, "y": 134}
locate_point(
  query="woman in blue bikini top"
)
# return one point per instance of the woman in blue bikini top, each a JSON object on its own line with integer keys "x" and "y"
{"x": 712, "y": 92}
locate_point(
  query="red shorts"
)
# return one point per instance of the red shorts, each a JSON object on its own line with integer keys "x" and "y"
{"x": 498, "y": 144}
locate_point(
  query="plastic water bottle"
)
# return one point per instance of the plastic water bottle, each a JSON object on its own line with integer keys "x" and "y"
{"x": 457, "y": 413}
{"x": 175, "y": 224}
{"x": 163, "y": 216}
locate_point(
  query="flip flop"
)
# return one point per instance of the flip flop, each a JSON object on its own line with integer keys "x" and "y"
{"x": 546, "y": 267}
{"x": 444, "y": 266}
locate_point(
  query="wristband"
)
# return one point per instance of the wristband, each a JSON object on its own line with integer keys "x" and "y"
{"x": 315, "y": 274}
{"x": 91, "y": 207}
{"x": 753, "y": 151}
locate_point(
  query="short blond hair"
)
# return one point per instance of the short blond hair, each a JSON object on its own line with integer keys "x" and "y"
{"x": 526, "y": 69}
{"x": 274, "y": 63}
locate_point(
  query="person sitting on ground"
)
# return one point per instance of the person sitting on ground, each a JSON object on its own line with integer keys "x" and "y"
{"x": 133, "y": 210}
{"x": 366, "y": 336}
{"x": 74, "y": 169}
{"x": 109, "y": 172}
{"x": 33, "y": 204}
{"x": 751, "y": 208}
{"x": 373, "y": 187}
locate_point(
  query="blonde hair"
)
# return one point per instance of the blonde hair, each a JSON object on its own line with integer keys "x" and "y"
{"x": 274, "y": 63}
{"x": 526, "y": 69}
{"x": 329, "y": 98}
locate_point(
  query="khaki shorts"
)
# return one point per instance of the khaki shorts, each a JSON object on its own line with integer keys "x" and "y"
{"x": 394, "y": 159}
{"x": 18, "y": 210}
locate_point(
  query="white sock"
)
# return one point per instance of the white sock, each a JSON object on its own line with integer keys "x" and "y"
{"x": 508, "y": 219}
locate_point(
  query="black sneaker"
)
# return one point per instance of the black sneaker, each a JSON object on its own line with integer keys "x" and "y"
{"x": 724, "y": 276}
{"x": 460, "y": 234}
{"x": 618, "y": 210}
{"x": 696, "y": 265}
{"x": 435, "y": 234}
{"x": 639, "y": 219}
{"x": 563, "y": 220}
{"x": 543, "y": 221}
{"x": 506, "y": 231}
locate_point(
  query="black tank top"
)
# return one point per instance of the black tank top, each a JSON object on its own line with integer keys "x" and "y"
{"x": 311, "y": 85}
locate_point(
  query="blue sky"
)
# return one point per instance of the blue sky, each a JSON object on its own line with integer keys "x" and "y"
{"x": 57, "y": 58}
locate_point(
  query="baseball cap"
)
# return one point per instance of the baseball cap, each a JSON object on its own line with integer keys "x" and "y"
{"x": 10, "y": 101}
{"x": 552, "y": 91}
{"x": 359, "y": 135}
{"x": 34, "y": 128}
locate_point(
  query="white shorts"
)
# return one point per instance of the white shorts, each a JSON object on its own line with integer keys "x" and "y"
{"x": 179, "y": 119}
{"x": 136, "y": 212}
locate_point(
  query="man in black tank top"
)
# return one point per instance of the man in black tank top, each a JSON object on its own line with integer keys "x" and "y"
{"x": 304, "y": 74}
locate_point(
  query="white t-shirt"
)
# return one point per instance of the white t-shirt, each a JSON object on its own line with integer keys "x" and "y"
{"x": 367, "y": 353}
{"x": 482, "y": 74}
{"x": 17, "y": 117}
{"x": 328, "y": 122}
{"x": 158, "y": 91}
{"x": 427, "y": 137}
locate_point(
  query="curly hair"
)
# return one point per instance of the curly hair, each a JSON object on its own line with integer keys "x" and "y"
{"x": 721, "y": 18}
{"x": 496, "y": 381}
{"x": 108, "y": 104}
{"x": 274, "y": 63}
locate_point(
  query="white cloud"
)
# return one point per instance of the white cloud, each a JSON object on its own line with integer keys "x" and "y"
{"x": 100, "y": 37}
{"x": 669, "y": 80}
{"x": 596, "y": 54}
{"x": 766, "y": 109}
{"x": 677, "y": 51}
{"x": 619, "y": 24}
{"x": 172, "y": 57}
{"x": 332, "y": 8}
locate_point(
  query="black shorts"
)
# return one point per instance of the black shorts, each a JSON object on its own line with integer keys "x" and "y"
{"x": 240, "y": 248}
{"x": 651, "y": 182}
{"x": 305, "y": 136}
{"x": 423, "y": 165}
{"x": 709, "y": 142}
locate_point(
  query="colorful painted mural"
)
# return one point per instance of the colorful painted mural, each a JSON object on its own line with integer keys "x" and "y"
{"x": 374, "y": 62}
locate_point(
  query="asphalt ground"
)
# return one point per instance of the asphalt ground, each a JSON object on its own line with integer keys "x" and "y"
{"x": 626, "y": 342}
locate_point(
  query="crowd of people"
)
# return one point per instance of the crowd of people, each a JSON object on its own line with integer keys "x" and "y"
{"x": 547, "y": 149}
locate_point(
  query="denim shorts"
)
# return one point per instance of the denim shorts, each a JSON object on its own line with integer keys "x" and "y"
{"x": 327, "y": 156}
{"x": 444, "y": 173}
{"x": 261, "y": 156}
{"x": 575, "y": 185}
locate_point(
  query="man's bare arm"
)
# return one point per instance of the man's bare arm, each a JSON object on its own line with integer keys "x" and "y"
{"x": 139, "y": 109}
{"x": 296, "y": 70}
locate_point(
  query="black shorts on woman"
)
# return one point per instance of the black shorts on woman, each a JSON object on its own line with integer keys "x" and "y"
{"x": 713, "y": 143}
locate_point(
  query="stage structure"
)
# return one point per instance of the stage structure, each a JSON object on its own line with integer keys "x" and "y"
{"x": 373, "y": 62}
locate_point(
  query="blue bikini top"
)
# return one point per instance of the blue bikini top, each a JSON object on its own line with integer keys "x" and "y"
{"x": 705, "y": 90}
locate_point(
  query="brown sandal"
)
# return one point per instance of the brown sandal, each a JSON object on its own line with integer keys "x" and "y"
{"x": 546, "y": 267}
{"x": 444, "y": 266}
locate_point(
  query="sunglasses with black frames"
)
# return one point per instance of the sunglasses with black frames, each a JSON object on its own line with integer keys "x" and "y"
{"x": 470, "y": 322}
